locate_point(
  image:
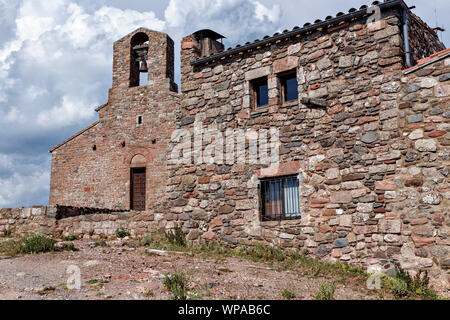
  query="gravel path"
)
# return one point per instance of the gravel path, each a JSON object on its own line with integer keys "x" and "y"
{"x": 123, "y": 273}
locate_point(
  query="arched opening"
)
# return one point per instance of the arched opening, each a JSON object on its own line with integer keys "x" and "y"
{"x": 138, "y": 178}
{"x": 139, "y": 60}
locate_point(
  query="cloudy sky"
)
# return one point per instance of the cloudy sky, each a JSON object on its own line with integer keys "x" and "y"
{"x": 56, "y": 61}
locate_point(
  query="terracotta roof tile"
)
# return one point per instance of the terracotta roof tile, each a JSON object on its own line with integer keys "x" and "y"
{"x": 425, "y": 61}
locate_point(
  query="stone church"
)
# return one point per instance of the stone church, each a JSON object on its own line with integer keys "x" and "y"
{"x": 360, "y": 103}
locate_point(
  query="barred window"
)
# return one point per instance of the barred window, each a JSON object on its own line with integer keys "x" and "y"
{"x": 280, "y": 198}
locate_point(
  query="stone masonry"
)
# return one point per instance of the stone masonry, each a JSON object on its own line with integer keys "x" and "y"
{"x": 92, "y": 169}
{"x": 371, "y": 154}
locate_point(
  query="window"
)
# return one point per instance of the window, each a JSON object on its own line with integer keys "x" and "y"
{"x": 260, "y": 93}
{"x": 280, "y": 198}
{"x": 289, "y": 87}
{"x": 139, "y": 120}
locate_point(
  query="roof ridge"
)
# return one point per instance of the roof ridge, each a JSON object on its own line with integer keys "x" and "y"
{"x": 428, "y": 60}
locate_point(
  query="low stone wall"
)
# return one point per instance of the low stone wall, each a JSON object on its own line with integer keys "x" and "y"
{"x": 81, "y": 222}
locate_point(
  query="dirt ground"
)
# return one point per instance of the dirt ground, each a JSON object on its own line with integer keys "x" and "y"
{"x": 124, "y": 273}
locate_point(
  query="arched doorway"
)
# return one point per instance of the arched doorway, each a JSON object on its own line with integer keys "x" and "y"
{"x": 138, "y": 183}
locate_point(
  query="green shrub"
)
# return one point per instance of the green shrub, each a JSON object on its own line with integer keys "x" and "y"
{"x": 176, "y": 237}
{"x": 288, "y": 294}
{"x": 70, "y": 238}
{"x": 177, "y": 284}
{"x": 7, "y": 233}
{"x": 122, "y": 233}
{"x": 397, "y": 287}
{"x": 326, "y": 291}
{"x": 36, "y": 244}
{"x": 404, "y": 285}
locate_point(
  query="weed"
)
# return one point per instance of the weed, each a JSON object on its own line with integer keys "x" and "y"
{"x": 397, "y": 287}
{"x": 97, "y": 282}
{"x": 7, "y": 233}
{"x": 122, "y": 233}
{"x": 177, "y": 284}
{"x": 28, "y": 245}
{"x": 288, "y": 294}
{"x": 146, "y": 241}
{"x": 70, "y": 238}
{"x": 403, "y": 285}
{"x": 176, "y": 237}
{"x": 326, "y": 291}
{"x": 46, "y": 291}
{"x": 149, "y": 294}
{"x": 101, "y": 243}
{"x": 37, "y": 244}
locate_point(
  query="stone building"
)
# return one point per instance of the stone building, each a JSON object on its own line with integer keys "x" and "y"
{"x": 120, "y": 161}
{"x": 361, "y": 109}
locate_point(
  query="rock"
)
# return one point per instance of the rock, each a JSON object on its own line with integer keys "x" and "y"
{"x": 416, "y": 134}
{"x": 412, "y": 88}
{"x": 157, "y": 252}
{"x": 340, "y": 243}
{"x": 385, "y": 185}
{"x": 370, "y": 137}
{"x": 345, "y": 61}
{"x": 345, "y": 220}
{"x": 428, "y": 83}
{"x": 390, "y": 87}
{"x": 341, "y": 197}
{"x": 225, "y": 209}
{"x": 445, "y": 263}
{"x": 244, "y": 204}
{"x": 365, "y": 207}
{"x": 444, "y": 77}
{"x": 411, "y": 156}
{"x": 415, "y": 118}
{"x": 390, "y": 226}
{"x": 426, "y": 145}
{"x": 432, "y": 198}
{"x": 193, "y": 234}
{"x": 322, "y": 251}
{"x": 332, "y": 173}
{"x": 209, "y": 236}
{"x": 439, "y": 251}
{"x": 390, "y": 238}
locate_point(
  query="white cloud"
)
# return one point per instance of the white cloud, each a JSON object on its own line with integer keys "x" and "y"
{"x": 236, "y": 19}
{"x": 72, "y": 110}
{"x": 66, "y": 51}
{"x": 23, "y": 182}
{"x": 24, "y": 188}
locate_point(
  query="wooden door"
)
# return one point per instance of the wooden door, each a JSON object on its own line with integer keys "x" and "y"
{"x": 138, "y": 178}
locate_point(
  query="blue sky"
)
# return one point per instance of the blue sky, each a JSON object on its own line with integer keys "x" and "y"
{"x": 56, "y": 61}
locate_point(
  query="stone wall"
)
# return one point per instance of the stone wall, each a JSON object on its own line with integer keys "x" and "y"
{"x": 421, "y": 197}
{"x": 92, "y": 169}
{"x": 424, "y": 40}
{"x": 81, "y": 222}
{"x": 350, "y": 156}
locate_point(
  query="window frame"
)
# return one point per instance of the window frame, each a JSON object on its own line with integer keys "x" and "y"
{"x": 282, "y": 78}
{"x": 254, "y": 84}
{"x": 262, "y": 195}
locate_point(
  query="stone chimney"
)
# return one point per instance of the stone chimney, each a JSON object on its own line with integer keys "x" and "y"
{"x": 208, "y": 42}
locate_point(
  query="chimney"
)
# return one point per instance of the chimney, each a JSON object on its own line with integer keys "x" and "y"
{"x": 208, "y": 42}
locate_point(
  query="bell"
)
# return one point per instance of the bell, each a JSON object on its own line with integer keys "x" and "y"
{"x": 143, "y": 68}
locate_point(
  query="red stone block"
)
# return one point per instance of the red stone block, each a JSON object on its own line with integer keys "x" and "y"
{"x": 385, "y": 185}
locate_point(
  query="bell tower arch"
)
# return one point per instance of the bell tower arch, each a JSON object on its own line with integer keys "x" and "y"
{"x": 144, "y": 52}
